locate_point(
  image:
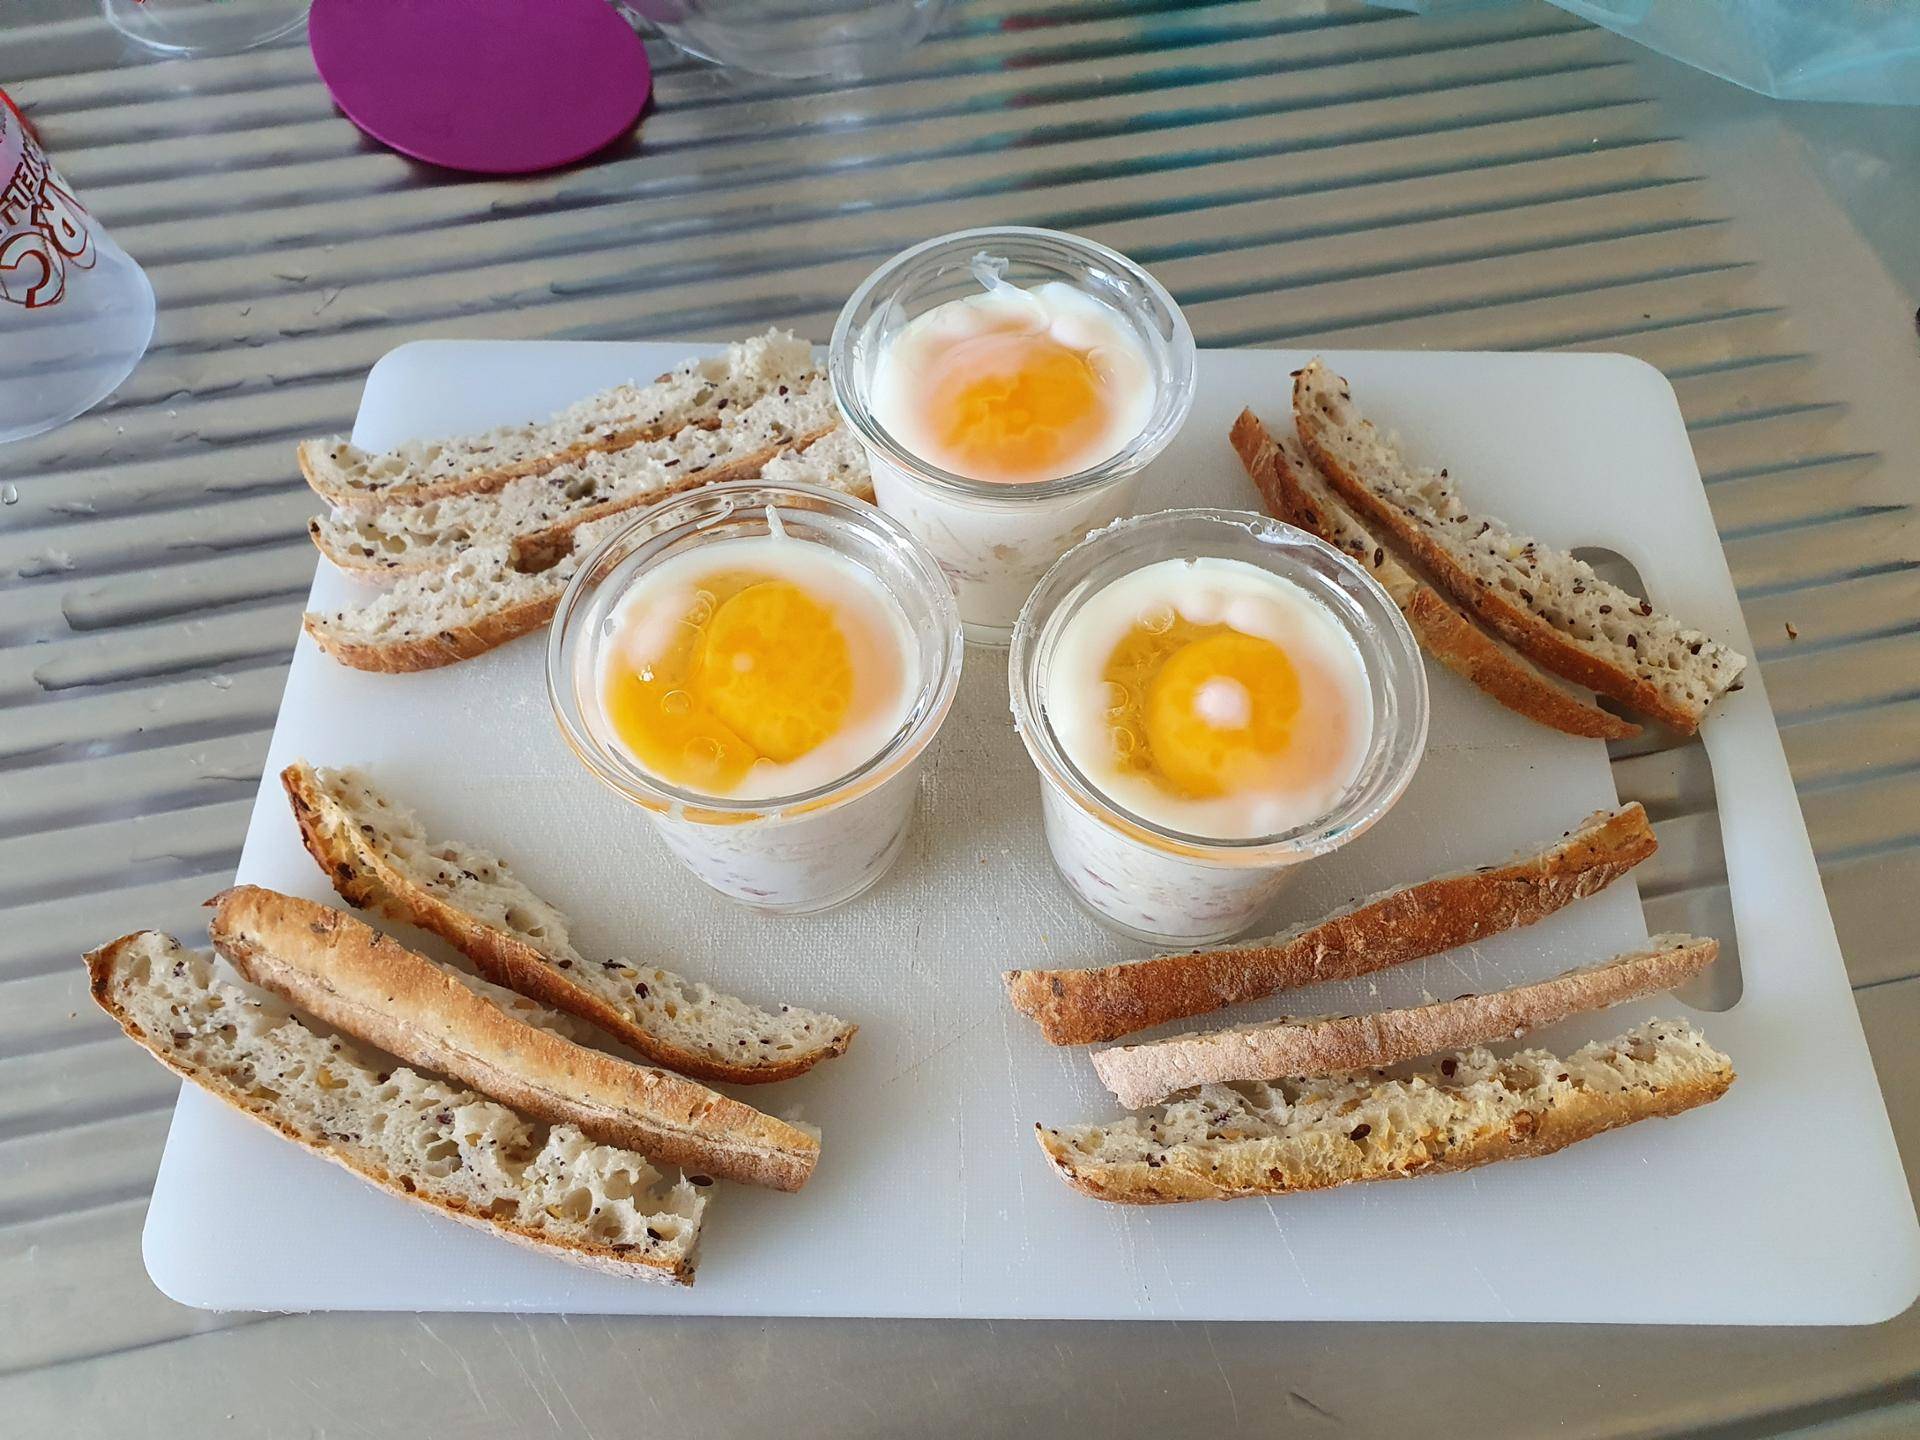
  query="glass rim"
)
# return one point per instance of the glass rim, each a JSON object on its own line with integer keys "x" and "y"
{"x": 1139, "y": 452}
{"x": 1399, "y": 740}
{"x": 662, "y": 528}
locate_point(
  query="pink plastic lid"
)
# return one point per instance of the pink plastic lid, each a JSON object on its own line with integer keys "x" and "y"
{"x": 499, "y": 86}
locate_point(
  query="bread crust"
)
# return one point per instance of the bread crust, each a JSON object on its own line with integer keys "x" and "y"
{"x": 1080, "y": 1007}
{"x": 1140, "y": 1075}
{"x": 371, "y": 986}
{"x": 557, "y": 536}
{"x": 1536, "y": 638}
{"x": 316, "y": 467}
{"x": 413, "y": 653}
{"x": 1252, "y": 1167}
{"x": 1455, "y": 641}
{"x": 367, "y": 879}
{"x": 102, "y": 970}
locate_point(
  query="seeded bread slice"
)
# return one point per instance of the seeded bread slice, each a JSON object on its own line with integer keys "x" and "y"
{"x": 1465, "y": 1110}
{"x": 694, "y": 393}
{"x": 1078, "y": 1007}
{"x": 497, "y": 592}
{"x": 1329, "y": 1044}
{"x": 1551, "y": 606}
{"x": 1292, "y": 488}
{"x": 422, "y": 1139}
{"x": 378, "y": 857}
{"x": 330, "y": 965}
{"x": 398, "y": 540}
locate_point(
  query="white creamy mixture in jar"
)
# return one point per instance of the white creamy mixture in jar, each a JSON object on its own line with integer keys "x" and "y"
{"x": 1211, "y": 697}
{"x": 756, "y": 666}
{"x": 1012, "y": 389}
{"x": 1014, "y": 386}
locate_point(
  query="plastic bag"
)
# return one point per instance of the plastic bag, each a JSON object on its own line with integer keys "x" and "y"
{"x": 1860, "y": 50}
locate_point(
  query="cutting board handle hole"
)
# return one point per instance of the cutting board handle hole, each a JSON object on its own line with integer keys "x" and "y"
{"x": 1684, "y": 886}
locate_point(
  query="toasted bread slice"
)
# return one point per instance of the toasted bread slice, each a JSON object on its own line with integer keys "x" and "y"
{"x": 693, "y": 394}
{"x": 379, "y": 858}
{"x": 1079, "y": 1007}
{"x": 416, "y": 1137}
{"x": 1294, "y": 490}
{"x": 502, "y": 590}
{"x": 398, "y": 540}
{"x": 1466, "y": 1110}
{"x": 369, "y": 985}
{"x": 1548, "y": 604}
{"x": 1327, "y": 1045}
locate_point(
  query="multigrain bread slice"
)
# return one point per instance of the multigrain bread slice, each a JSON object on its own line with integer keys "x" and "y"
{"x": 694, "y": 393}
{"x": 422, "y": 1139}
{"x": 505, "y": 589}
{"x": 1294, "y": 490}
{"x": 1550, "y": 605}
{"x": 332, "y": 966}
{"x": 1329, "y": 1044}
{"x": 398, "y": 540}
{"x": 378, "y": 857}
{"x": 1228, "y": 1141}
{"x": 1080, "y": 1007}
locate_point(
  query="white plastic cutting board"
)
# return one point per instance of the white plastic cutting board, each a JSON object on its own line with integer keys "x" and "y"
{"x": 1784, "y": 1202}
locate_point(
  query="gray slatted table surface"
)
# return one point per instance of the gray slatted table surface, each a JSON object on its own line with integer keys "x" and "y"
{"x": 1309, "y": 172}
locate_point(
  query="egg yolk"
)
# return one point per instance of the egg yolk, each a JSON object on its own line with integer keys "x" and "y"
{"x": 760, "y": 670}
{"x": 1203, "y": 710}
{"x": 1015, "y": 406}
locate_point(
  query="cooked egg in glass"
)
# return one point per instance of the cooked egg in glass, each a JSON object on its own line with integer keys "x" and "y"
{"x": 756, "y": 666}
{"x": 1211, "y": 697}
{"x": 1014, "y": 385}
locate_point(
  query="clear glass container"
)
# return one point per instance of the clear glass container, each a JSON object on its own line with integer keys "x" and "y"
{"x": 994, "y": 540}
{"x": 796, "y": 853}
{"x": 842, "y": 38}
{"x": 1162, "y": 885}
{"x": 205, "y": 27}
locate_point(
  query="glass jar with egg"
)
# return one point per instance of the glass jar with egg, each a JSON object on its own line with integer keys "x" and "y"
{"x": 762, "y": 670}
{"x": 1010, "y": 385}
{"x": 1211, "y": 698}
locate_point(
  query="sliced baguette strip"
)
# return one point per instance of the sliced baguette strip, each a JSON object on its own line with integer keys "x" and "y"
{"x": 398, "y": 540}
{"x": 489, "y": 596}
{"x": 378, "y": 857}
{"x": 1079, "y": 1007}
{"x": 330, "y": 965}
{"x": 1326, "y": 1045}
{"x": 1550, "y": 605}
{"x": 416, "y": 1137}
{"x": 1223, "y": 1142}
{"x": 1293, "y": 489}
{"x": 694, "y": 393}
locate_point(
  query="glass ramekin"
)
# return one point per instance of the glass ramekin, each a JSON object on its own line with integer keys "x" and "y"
{"x": 995, "y": 540}
{"x": 793, "y": 854}
{"x": 1163, "y": 885}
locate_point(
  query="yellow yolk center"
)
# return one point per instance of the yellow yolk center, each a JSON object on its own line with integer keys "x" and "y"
{"x": 1203, "y": 710}
{"x": 1015, "y": 406}
{"x": 759, "y": 670}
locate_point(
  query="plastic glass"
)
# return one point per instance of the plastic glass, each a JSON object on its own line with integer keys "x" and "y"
{"x": 795, "y": 853}
{"x": 1162, "y": 885}
{"x": 790, "y": 38}
{"x": 995, "y": 540}
{"x": 204, "y": 27}
{"x": 76, "y": 312}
